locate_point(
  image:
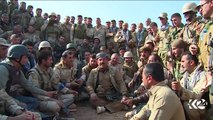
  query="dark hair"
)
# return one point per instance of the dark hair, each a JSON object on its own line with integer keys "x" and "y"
{"x": 38, "y": 9}
{"x": 66, "y": 53}
{"x": 28, "y": 42}
{"x": 44, "y": 55}
{"x": 176, "y": 15}
{"x": 153, "y": 24}
{"x": 155, "y": 70}
{"x": 191, "y": 57}
{"x": 157, "y": 58}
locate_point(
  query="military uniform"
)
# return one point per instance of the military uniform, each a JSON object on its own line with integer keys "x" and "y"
{"x": 163, "y": 104}
{"x": 192, "y": 88}
{"x": 203, "y": 44}
{"x": 78, "y": 33}
{"x": 107, "y": 84}
{"x": 175, "y": 32}
{"x": 47, "y": 81}
{"x": 90, "y": 32}
{"x": 64, "y": 74}
{"x": 101, "y": 33}
{"x": 130, "y": 69}
{"x": 190, "y": 32}
{"x": 51, "y": 33}
{"x": 37, "y": 22}
{"x": 66, "y": 30}
{"x": 86, "y": 71}
{"x": 165, "y": 41}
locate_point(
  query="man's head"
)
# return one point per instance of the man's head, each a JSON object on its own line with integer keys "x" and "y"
{"x": 45, "y": 59}
{"x": 154, "y": 27}
{"x": 144, "y": 53}
{"x": 140, "y": 26}
{"x": 148, "y": 21}
{"x": 153, "y": 73}
{"x": 102, "y": 60}
{"x": 120, "y": 23}
{"x": 58, "y": 17}
{"x": 155, "y": 58}
{"x": 125, "y": 26}
{"x": 18, "y": 54}
{"x": 108, "y": 24}
{"x": 178, "y": 47}
{"x": 3, "y": 48}
{"x": 176, "y": 19}
{"x": 189, "y": 11}
{"x": 29, "y": 45}
{"x": 72, "y": 19}
{"x": 113, "y": 23}
{"x": 67, "y": 58}
{"x": 114, "y": 59}
{"x": 5, "y": 18}
{"x": 128, "y": 57}
{"x": 163, "y": 18}
{"x": 44, "y": 46}
{"x": 89, "y": 21}
{"x": 67, "y": 19}
{"x": 188, "y": 62}
{"x": 38, "y": 12}
{"x": 87, "y": 55}
{"x": 98, "y": 21}
{"x": 206, "y": 8}
{"x": 93, "y": 61}
{"x": 80, "y": 19}
{"x": 22, "y": 6}
{"x": 15, "y": 39}
{"x": 133, "y": 27}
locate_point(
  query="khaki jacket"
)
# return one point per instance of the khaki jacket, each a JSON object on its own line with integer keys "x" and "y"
{"x": 163, "y": 104}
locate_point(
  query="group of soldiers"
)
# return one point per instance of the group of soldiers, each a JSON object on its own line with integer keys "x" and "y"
{"x": 153, "y": 72}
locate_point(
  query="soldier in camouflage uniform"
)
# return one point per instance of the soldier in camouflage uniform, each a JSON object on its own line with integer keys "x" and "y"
{"x": 51, "y": 31}
{"x": 66, "y": 29}
{"x": 193, "y": 27}
{"x": 37, "y": 21}
{"x": 165, "y": 41}
{"x": 105, "y": 86}
{"x": 177, "y": 26}
{"x": 78, "y": 31}
{"x": 89, "y": 30}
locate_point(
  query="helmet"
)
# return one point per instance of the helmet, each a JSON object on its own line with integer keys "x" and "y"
{"x": 128, "y": 54}
{"x": 71, "y": 46}
{"x": 44, "y": 44}
{"x": 189, "y": 7}
{"x": 163, "y": 15}
{"x": 52, "y": 14}
{"x": 17, "y": 51}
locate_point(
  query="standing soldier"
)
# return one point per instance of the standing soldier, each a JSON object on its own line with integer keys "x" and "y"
{"x": 165, "y": 41}
{"x": 192, "y": 28}
{"x": 89, "y": 30}
{"x": 37, "y": 21}
{"x": 105, "y": 86}
{"x": 100, "y": 31}
{"x": 206, "y": 34}
{"x": 78, "y": 31}
{"x": 50, "y": 30}
{"x": 22, "y": 16}
{"x": 177, "y": 26}
{"x": 66, "y": 29}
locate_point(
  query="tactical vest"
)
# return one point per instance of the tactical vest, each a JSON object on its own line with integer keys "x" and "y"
{"x": 38, "y": 23}
{"x": 14, "y": 78}
{"x": 79, "y": 31}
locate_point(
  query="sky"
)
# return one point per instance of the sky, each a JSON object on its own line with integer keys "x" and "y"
{"x": 129, "y": 11}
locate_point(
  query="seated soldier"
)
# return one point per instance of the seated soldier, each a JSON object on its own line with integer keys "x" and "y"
{"x": 193, "y": 86}
{"x": 43, "y": 77}
{"x": 105, "y": 86}
{"x": 163, "y": 103}
{"x": 9, "y": 106}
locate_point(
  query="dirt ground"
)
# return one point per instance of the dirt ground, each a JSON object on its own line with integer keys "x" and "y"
{"x": 86, "y": 112}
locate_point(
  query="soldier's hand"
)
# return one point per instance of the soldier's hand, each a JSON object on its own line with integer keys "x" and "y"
{"x": 176, "y": 85}
{"x": 51, "y": 94}
{"x": 93, "y": 97}
{"x": 80, "y": 82}
{"x": 72, "y": 92}
{"x": 130, "y": 84}
{"x": 127, "y": 101}
{"x": 25, "y": 116}
{"x": 193, "y": 49}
